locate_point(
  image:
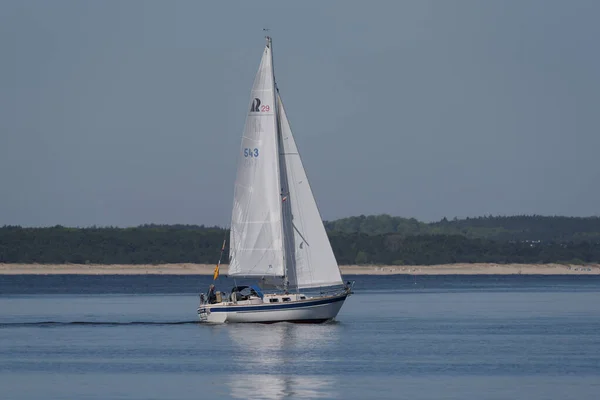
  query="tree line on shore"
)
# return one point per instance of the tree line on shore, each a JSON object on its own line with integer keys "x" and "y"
{"x": 378, "y": 239}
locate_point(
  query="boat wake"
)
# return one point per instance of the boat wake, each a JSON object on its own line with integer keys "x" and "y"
{"x": 91, "y": 323}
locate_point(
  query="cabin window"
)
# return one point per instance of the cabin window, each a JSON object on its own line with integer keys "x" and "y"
{"x": 302, "y": 297}
{"x": 286, "y": 299}
{"x": 274, "y": 300}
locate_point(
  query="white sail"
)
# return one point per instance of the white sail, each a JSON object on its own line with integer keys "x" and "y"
{"x": 256, "y": 247}
{"x": 314, "y": 263}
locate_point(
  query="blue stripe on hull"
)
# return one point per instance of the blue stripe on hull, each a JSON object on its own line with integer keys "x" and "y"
{"x": 272, "y": 307}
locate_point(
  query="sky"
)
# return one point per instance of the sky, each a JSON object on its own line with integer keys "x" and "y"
{"x": 121, "y": 113}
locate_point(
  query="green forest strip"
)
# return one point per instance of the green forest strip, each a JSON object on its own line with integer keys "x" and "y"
{"x": 380, "y": 239}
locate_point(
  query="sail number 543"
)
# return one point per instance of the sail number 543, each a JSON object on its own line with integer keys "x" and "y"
{"x": 251, "y": 152}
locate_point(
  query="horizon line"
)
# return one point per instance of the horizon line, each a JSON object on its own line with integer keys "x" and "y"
{"x": 95, "y": 226}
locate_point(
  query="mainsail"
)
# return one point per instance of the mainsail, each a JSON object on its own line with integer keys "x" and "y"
{"x": 256, "y": 238}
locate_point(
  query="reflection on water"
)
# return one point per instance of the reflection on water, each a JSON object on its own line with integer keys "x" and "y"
{"x": 281, "y": 387}
{"x": 268, "y": 352}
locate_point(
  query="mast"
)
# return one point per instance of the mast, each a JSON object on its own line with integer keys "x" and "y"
{"x": 278, "y": 134}
{"x": 286, "y": 212}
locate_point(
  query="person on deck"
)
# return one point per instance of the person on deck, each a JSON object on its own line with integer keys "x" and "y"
{"x": 212, "y": 296}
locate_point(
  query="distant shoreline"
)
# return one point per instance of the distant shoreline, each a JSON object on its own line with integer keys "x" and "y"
{"x": 207, "y": 269}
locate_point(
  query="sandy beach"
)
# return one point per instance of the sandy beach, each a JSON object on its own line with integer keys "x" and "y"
{"x": 207, "y": 269}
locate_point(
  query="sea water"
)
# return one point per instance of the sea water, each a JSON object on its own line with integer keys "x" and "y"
{"x": 397, "y": 337}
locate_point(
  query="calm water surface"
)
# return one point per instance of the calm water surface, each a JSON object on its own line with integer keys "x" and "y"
{"x": 403, "y": 337}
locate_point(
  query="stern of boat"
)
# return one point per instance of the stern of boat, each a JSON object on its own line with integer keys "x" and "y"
{"x": 205, "y": 314}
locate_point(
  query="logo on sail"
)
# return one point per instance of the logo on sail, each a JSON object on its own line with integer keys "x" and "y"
{"x": 255, "y": 105}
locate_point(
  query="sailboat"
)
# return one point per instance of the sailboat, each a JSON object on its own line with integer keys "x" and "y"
{"x": 277, "y": 237}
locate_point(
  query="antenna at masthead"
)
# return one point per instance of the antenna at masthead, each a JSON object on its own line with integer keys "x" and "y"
{"x": 267, "y": 37}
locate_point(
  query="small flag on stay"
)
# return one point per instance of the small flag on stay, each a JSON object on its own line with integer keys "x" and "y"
{"x": 216, "y": 274}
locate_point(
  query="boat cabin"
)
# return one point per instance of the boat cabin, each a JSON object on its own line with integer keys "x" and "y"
{"x": 253, "y": 295}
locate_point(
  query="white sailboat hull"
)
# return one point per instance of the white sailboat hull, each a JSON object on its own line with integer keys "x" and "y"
{"x": 312, "y": 310}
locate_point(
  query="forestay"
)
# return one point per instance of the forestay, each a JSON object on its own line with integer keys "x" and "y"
{"x": 256, "y": 240}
